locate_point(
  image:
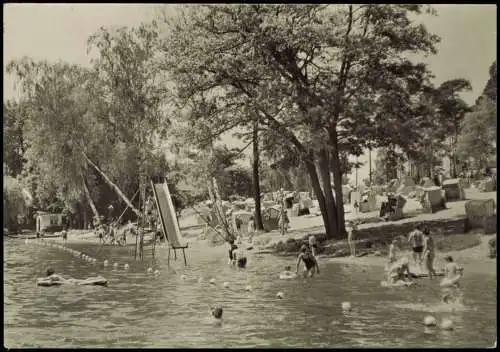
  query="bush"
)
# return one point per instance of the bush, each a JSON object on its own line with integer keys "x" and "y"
{"x": 493, "y": 247}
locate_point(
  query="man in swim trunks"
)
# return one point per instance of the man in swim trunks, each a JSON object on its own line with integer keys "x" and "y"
{"x": 415, "y": 238}
{"x": 310, "y": 262}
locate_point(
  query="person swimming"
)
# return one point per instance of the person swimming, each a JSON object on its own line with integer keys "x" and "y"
{"x": 310, "y": 262}
{"x": 53, "y": 279}
{"x": 288, "y": 273}
{"x": 217, "y": 312}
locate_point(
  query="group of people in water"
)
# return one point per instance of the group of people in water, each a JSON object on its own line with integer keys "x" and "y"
{"x": 423, "y": 253}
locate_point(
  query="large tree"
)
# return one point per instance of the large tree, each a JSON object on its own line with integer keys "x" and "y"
{"x": 317, "y": 75}
{"x": 477, "y": 139}
{"x": 56, "y": 125}
{"x": 14, "y": 144}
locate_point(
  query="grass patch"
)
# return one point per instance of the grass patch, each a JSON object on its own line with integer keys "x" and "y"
{"x": 380, "y": 246}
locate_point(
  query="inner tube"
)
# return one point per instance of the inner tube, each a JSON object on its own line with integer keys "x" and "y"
{"x": 287, "y": 275}
{"x": 399, "y": 283}
{"x": 421, "y": 275}
{"x": 97, "y": 281}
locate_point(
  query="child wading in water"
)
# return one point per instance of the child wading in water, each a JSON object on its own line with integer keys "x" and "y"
{"x": 452, "y": 273}
{"x": 393, "y": 250}
{"x": 310, "y": 262}
{"x": 351, "y": 228}
{"x": 313, "y": 245}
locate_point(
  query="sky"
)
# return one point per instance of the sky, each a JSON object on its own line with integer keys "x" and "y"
{"x": 60, "y": 31}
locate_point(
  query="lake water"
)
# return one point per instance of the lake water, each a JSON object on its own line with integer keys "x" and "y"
{"x": 140, "y": 310}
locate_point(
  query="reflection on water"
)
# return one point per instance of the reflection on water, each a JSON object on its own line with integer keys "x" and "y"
{"x": 140, "y": 310}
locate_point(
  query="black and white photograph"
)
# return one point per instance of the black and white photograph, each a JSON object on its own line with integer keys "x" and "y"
{"x": 249, "y": 175}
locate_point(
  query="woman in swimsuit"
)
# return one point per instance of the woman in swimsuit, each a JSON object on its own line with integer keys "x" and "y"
{"x": 429, "y": 252}
{"x": 452, "y": 273}
{"x": 310, "y": 262}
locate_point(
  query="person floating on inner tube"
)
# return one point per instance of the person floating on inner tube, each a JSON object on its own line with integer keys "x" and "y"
{"x": 310, "y": 262}
{"x": 52, "y": 276}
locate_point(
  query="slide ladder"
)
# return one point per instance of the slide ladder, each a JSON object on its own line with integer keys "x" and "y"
{"x": 168, "y": 218}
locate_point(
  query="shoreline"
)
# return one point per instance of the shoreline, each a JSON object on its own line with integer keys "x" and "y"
{"x": 474, "y": 259}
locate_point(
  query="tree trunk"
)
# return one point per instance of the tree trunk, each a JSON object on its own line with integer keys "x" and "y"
{"x": 256, "y": 182}
{"x": 337, "y": 182}
{"x": 331, "y": 206}
{"x": 115, "y": 187}
{"x": 85, "y": 217}
{"x": 311, "y": 169}
{"x": 91, "y": 202}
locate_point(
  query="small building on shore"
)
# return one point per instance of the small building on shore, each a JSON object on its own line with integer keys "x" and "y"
{"x": 49, "y": 222}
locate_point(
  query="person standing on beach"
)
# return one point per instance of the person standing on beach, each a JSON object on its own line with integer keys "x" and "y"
{"x": 351, "y": 228}
{"x": 65, "y": 234}
{"x": 429, "y": 252}
{"x": 415, "y": 238}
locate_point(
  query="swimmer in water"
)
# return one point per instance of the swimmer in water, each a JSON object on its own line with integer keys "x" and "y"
{"x": 288, "y": 273}
{"x": 452, "y": 271}
{"x": 310, "y": 262}
{"x": 399, "y": 271}
{"x": 217, "y": 314}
